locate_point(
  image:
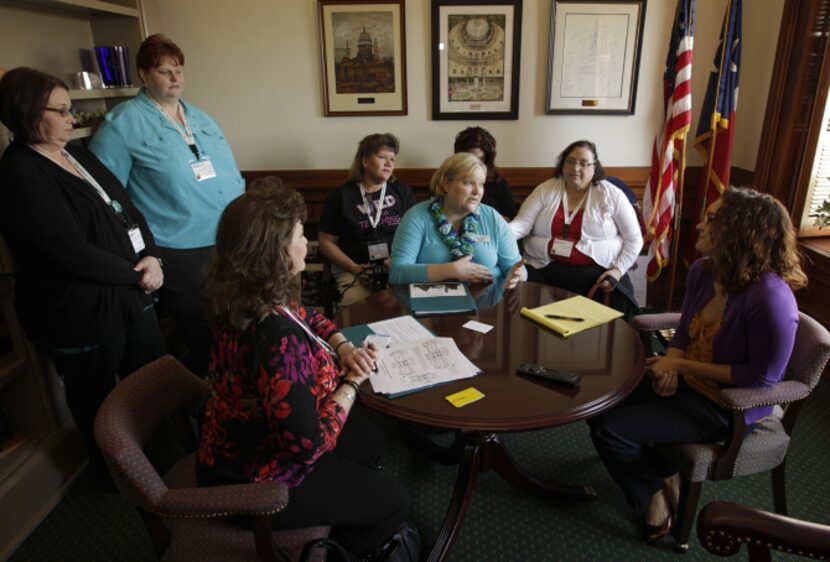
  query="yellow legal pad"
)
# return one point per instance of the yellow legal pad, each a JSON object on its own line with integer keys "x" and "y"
{"x": 591, "y": 311}
{"x": 464, "y": 397}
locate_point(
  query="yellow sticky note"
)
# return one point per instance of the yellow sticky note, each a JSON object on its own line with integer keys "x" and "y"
{"x": 464, "y": 397}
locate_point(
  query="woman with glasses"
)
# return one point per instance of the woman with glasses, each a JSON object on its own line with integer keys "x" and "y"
{"x": 579, "y": 229}
{"x": 179, "y": 169}
{"x": 737, "y": 329}
{"x": 87, "y": 265}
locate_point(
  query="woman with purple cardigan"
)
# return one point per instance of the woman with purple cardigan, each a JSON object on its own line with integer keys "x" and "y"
{"x": 737, "y": 329}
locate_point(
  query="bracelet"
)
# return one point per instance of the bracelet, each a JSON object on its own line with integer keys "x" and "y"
{"x": 349, "y": 396}
{"x": 352, "y": 384}
{"x": 337, "y": 347}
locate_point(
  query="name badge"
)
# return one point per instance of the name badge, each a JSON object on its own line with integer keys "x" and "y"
{"x": 136, "y": 239}
{"x": 203, "y": 169}
{"x": 378, "y": 251}
{"x": 562, "y": 247}
{"x": 482, "y": 237}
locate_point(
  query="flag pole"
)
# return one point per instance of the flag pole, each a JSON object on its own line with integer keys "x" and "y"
{"x": 678, "y": 213}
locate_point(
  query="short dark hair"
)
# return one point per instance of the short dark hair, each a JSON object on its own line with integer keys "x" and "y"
{"x": 24, "y": 92}
{"x": 370, "y": 146}
{"x": 252, "y": 269}
{"x": 599, "y": 171}
{"x": 478, "y": 137}
{"x": 155, "y": 48}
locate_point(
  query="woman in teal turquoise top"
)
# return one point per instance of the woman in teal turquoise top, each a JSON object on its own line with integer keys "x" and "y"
{"x": 180, "y": 172}
{"x": 454, "y": 236}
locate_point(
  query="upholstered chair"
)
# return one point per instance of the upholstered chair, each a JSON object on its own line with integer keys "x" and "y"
{"x": 763, "y": 449}
{"x": 186, "y": 522}
{"x": 722, "y": 528}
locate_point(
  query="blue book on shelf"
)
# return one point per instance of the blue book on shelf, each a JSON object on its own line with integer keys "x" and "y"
{"x": 445, "y": 297}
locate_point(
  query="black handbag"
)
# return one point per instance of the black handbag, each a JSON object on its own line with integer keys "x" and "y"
{"x": 403, "y": 546}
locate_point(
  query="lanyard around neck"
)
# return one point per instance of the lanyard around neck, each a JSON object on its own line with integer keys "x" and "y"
{"x": 186, "y": 133}
{"x": 115, "y": 205}
{"x": 367, "y": 201}
{"x": 323, "y": 343}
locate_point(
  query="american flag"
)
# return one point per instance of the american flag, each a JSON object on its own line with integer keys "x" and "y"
{"x": 668, "y": 155}
{"x": 717, "y": 119}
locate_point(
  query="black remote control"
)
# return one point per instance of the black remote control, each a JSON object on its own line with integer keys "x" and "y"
{"x": 565, "y": 378}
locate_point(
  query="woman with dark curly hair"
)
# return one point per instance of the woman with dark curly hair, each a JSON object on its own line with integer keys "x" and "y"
{"x": 482, "y": 144}
{"x": 578, "y": 228}
{"x": 278, "y": 402}
{"x": 737, "y": 329}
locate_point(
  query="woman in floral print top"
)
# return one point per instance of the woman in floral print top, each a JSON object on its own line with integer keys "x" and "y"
{"x": 278, "y": 401}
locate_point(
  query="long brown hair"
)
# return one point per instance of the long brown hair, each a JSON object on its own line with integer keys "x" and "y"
{"x": 751, "y": 234}
{"x": 252, "y": 270}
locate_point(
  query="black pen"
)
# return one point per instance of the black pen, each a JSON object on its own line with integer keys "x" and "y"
{"x": 558, "y": 317}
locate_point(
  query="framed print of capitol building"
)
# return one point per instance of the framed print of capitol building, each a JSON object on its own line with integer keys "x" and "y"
{"x": 475, "y": 59}
{"x": 364, "y": 57}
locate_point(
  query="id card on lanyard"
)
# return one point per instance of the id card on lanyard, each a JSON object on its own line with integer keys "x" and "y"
{"x": 563, "y": 247}
{"x": 201, "y": 167}
{"x": 378, "y": 250}
{"x": 136, "y": 239}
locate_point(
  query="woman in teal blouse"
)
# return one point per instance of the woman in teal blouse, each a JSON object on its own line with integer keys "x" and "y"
{"x": 454, "y": 236}
{"x": 180, "y": 172}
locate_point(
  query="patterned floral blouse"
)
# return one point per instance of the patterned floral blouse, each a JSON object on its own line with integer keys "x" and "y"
{"x": 271, "y": 412}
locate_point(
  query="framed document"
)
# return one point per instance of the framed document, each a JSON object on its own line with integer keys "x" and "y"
{"x": 594, "y": 56}
{"x": 364, "y": 57}
{"x": 475, "y": 59}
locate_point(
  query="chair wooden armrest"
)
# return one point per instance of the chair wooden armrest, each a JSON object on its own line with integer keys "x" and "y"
{"x": 722, "y": 528}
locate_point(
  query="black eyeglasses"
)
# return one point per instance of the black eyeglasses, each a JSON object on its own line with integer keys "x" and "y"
{"x": 62, "y": 111}
{"x": 572, "y": 162}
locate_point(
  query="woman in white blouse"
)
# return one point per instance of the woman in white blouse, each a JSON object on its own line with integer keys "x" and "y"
{"x": 579, "y": 229}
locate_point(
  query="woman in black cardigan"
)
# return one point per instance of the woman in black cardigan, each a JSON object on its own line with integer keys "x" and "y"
{"x": 87, "y": 265}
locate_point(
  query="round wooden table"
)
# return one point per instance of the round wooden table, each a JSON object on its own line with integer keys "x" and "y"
{"x": 610, "y": 359}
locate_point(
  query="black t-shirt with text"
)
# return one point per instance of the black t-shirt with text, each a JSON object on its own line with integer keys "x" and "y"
{"x": 344, "y": 215}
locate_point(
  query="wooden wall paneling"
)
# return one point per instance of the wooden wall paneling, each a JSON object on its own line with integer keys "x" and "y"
{"x": 315, "y": 185}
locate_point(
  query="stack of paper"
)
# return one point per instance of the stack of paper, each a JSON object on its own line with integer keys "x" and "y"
{"x": 573, "y": 315}
{"x": 415, "y": 358}
{"x": 412, "y": 366}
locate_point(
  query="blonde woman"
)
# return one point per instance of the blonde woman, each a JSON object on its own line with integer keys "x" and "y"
{"x": 454, "y": 236}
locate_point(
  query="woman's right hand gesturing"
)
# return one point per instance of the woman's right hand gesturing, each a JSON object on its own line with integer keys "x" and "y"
{"x": 469, "y": 272}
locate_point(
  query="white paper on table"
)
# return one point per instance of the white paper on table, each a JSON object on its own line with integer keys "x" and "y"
{"x": 477, "y": 326}
{"x": 422, "y": 363}
{"x": 403, "y": 329}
